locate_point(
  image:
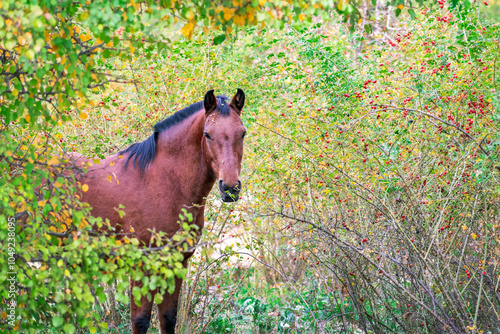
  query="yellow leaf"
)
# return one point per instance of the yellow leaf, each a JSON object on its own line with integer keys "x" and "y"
{"x": 302, "y": 17}
{"x": 84, "y": 37}
{"x": 118, "y": 242}
{"x": 53, "y": 161}
{"x": 4, "y": 315}
{"x": 228, "y": 13}
{"x": 84, "y": 16}
{"x": 400, "y": 6}
{"x": 8, "y": 153}
{"x": 360, "y": 21}
{"x": 190, "y": 15}
{"x": 136, "y": 5}
{"x": 84, "y": 115}
{"x": 188, "y": 29}
{"x": 85, "y": 188}
{"x": 66, "y": 272}
{"x": 342, "y": 5}
{"x": 57, "y": 184}
{"x": 116, "y": 86}
{"x": 239, "y": 20}
{"x": 190, "y": 241}
{"x": 109, "y": 178}
{"x": 82, "y": 225}
{"x": 15, "y": 92}
{"x": 111, "y": 163}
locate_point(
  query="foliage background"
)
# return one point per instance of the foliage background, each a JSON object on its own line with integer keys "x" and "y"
{"x": 370, "y": 174}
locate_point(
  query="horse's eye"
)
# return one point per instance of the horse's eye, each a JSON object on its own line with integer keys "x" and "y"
{"x": 207, "y": 135}
{"x": 244, "y": 134}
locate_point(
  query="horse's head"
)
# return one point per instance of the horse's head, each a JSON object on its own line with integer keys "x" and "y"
{"x": 223, "y": 141}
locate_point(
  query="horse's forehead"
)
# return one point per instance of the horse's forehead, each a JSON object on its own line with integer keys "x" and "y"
{"x": 224, "y": 123}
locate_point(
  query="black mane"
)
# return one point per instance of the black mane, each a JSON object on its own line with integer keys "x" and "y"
{"x": 145, "y": 151}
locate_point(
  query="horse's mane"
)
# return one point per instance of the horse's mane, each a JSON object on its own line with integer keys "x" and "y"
{"x": 145, "y": 151}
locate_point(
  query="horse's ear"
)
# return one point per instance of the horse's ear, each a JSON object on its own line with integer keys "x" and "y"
{"x": 238, "y": 101}
{"x": 209, "y": 102}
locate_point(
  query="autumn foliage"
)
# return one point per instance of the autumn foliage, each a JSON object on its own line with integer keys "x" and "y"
{"x": 371, "y": 177}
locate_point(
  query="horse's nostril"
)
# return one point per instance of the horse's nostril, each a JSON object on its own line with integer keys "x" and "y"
{"x": 227, "y": 189}
{"x": 237, "y": 187}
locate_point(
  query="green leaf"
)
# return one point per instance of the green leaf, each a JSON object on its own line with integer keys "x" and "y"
{"x": 412, "y": 13}
{"x": 57, "y": 321}
{"x": 136, "y": 292}
{"x": 158, "y": 298}
{"x": 69, "y": 328}
{"x": 219, "y": 39}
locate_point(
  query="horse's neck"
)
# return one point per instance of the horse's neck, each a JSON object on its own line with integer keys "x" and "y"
{"x": 180, "y": 152}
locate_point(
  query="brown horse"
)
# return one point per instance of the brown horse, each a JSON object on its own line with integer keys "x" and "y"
{"x": 175, "y": 168}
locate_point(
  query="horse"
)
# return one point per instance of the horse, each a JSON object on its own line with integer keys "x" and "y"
{"x": 175, "y": 168}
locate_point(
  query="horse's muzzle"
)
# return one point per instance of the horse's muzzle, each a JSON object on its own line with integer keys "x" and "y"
{"x": 229, "y": 194}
